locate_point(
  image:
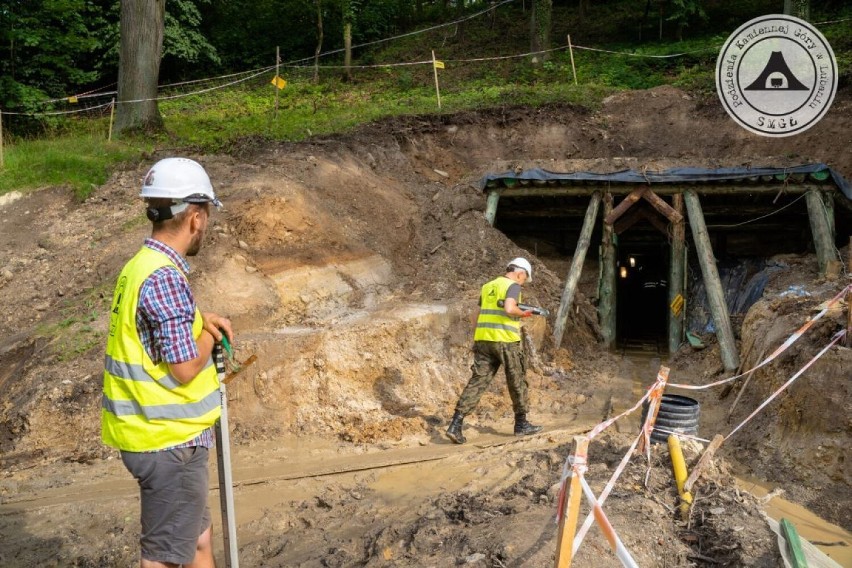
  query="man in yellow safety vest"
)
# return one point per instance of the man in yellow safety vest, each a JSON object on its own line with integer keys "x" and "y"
{"x": 497, "y": 342}
{"x": 161, "y": 390}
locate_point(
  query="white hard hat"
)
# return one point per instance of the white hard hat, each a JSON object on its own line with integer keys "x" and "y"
{"x": 521, "y": 262}
{"x": 179, "y": 179}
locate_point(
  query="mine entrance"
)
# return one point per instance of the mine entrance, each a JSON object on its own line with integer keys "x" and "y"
{"x": 642, "y": 292}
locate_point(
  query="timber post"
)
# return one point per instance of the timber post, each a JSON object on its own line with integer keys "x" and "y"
{"x": 821, "y": 229}
{"x": 712, "y": 282}
{"x": 677, "y": 269}
{"x": 491, "y": 205}
{"x": 568, "y": 519}
{"x": 607, "y": 302}
{"x": 576, "y": 268}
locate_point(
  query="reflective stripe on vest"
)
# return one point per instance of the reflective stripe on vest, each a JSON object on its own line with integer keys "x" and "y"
{"x": 144, "y": 407}
{"x": 493, "y": 324}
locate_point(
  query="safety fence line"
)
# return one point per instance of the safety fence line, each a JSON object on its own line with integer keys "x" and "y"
{"x": 621, "y": 551}
{"x": 837, "y": 337}
{"x": 416, "y": 32}
{"x": 293, "y": 65}
{"x": 783, "y": 347}
{"x": 610, "y": 485}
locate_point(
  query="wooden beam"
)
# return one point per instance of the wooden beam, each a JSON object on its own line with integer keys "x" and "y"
{"x": 607, "y": 301}
{"x": 660, "y": 189}
{"x": 491, "y": 206}
{"x": 655, "y": 220}
{"x": 821, "y": 229}
{"x": 664, "y": 208}
{"x": 626, "y": 221}
{"x": 677, "y": 269}
{"x": 625, "y": 204}
{"x": 576, "y": 268}
{"x": 712, "y": 282}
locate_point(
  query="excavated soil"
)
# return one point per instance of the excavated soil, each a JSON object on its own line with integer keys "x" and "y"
{"x": 350, "y": 267}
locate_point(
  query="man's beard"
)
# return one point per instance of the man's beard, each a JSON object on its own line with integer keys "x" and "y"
{"x": 195, "y": 245}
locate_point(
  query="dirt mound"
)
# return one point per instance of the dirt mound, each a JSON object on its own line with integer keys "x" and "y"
{"x": 351, "y": 266}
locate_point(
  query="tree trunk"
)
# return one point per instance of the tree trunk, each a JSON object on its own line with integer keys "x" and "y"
{"x": 540, "y": 19}
{"x": 799, "y": 8}
{"x": 140, "y": 52}
{"x": 347, "y": 48}
{"x": 319, "y": 41}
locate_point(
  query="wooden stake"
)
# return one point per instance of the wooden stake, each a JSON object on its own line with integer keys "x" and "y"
{"x": 571, "y": 53}
{"x": 277, "y": 71}
{"x": 435, "y": 71}
{"x": 568, "y": 521}
{"x": 655, "y": 400}
{"x": 111, "y": 118}
{"x": 745, "y": 384}
{"x": 576, "y": 268}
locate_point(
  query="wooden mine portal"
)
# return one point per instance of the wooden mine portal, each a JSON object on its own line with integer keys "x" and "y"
{"x": 659, "y": 223}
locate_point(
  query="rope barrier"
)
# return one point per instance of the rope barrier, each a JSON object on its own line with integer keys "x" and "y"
{"x": 621, "y": 551}
{"x": 837, "y": 337}
{"x": 783, "y": 347}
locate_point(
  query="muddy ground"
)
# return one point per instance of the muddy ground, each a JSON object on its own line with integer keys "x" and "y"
{"x": 350, "y": 267}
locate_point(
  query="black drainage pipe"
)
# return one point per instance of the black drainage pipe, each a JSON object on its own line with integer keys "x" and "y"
{"x": 677, "y": 414}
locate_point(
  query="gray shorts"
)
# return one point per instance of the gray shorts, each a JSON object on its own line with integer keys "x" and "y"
{"x": 173, "y": 488}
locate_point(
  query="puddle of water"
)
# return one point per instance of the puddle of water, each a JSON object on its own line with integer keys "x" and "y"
{"x": 809, "y": 526}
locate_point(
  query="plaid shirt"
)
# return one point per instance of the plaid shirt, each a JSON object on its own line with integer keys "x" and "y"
{"x": 164, "y": 317}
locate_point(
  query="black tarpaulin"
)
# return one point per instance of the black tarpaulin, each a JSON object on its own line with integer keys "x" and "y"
{"x": 674, "y": 175}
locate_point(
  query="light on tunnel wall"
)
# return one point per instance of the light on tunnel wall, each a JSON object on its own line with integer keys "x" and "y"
{"x": 623, "y": 271}
{"x": 632, "y": 263}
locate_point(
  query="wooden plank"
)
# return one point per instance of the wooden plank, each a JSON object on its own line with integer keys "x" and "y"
{"x": 712, "y": 282}
{"x": 664, "y": 208}
{"x": 576, "y": 268}
{"x": 703, "y": 462}
{"x": 625, "y": 204}
{"x": 571, "y": 510}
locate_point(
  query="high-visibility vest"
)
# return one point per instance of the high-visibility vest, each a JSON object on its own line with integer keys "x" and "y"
{"x": 144, "y": 407}
{"x": 493, "y": 324}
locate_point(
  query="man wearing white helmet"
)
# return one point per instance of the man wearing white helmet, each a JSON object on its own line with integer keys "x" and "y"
{"x": 497, "y": 342}
{"x": 161, "y": 390}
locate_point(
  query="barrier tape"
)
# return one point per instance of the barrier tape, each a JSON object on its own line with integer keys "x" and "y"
{"x": 590, "y": 518}
{"x": 574, "y": 465}
{"x": 837, "y": 337}
{"x": 681, "y": 435}
{"x": 606, "y": 527}
{"x": 783, "y": 347}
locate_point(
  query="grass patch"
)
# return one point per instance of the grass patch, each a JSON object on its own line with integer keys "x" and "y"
{"x": 79, "y": 161}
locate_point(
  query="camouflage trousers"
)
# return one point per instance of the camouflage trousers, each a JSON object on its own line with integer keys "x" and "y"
{"x": 488, "y": 357}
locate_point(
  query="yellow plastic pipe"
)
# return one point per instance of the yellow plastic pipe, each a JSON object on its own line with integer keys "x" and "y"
{"x": 679, "y": 468}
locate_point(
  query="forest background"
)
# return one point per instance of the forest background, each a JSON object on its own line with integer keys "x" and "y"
{"x": 60, "y": 62}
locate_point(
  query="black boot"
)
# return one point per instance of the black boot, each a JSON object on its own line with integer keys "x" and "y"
{"x": 454, "y": 432}
{"x": 524, "y": 428}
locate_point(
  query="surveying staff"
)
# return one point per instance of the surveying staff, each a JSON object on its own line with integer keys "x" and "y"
{"x": 497, "y": 341}
{"x": 161, "y": 390}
